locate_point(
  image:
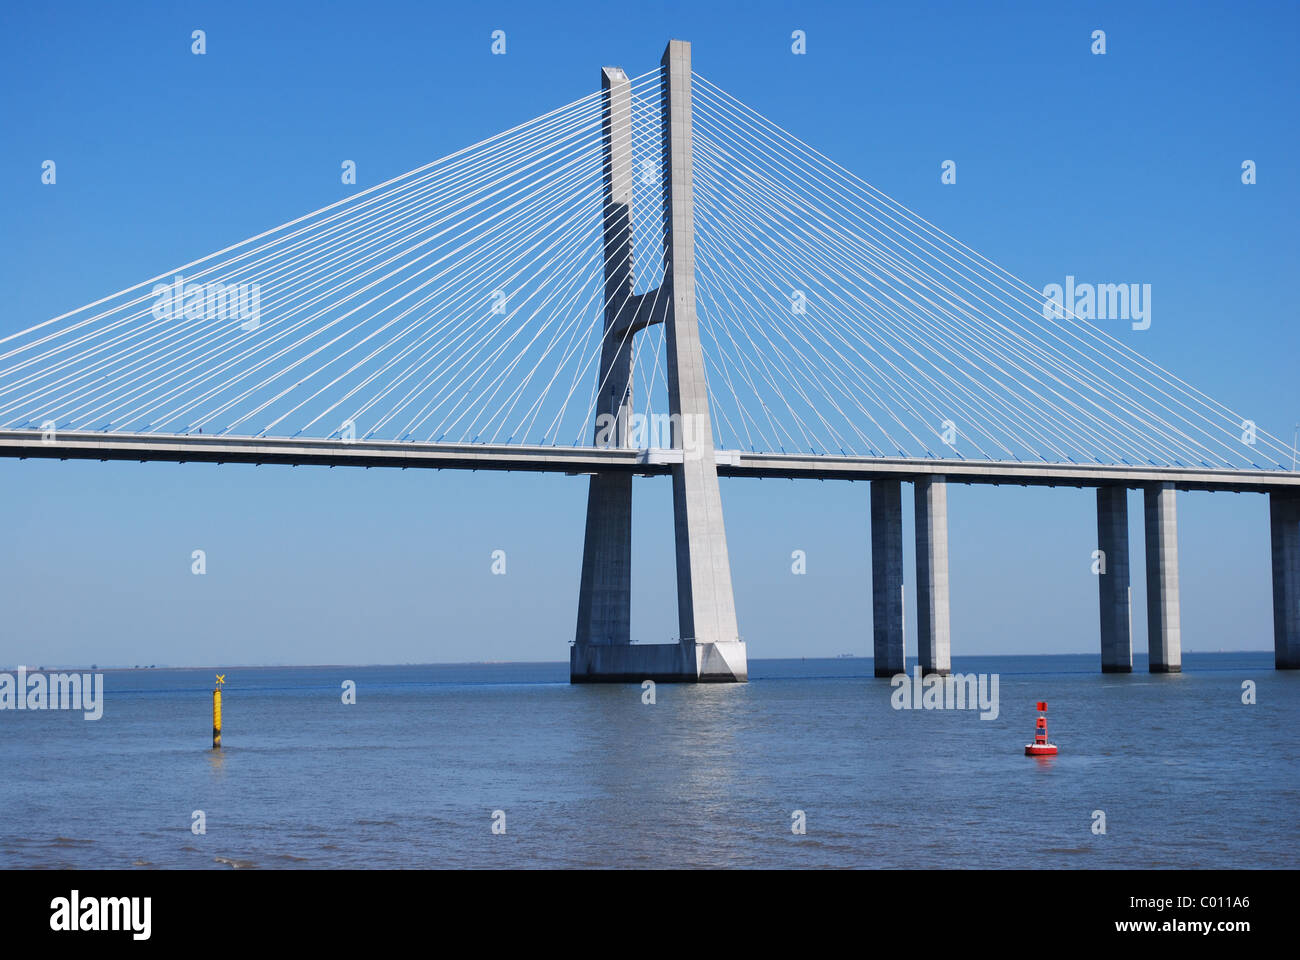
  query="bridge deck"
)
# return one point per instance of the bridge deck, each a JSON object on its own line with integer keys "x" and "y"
{"x": 543, "y": 459}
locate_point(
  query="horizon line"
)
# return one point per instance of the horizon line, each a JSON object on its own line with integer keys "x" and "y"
{"x": 505, "y": 663}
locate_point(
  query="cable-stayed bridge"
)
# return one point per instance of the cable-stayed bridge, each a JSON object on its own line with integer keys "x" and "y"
{"x": 656, "y": 280}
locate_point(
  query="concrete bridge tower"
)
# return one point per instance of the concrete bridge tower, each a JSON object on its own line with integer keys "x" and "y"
{"x": 709, "y": 648}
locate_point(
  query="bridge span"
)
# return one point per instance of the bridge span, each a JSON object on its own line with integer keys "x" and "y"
{"x": 647, "y": 462}
{"x": 885, "y": 475}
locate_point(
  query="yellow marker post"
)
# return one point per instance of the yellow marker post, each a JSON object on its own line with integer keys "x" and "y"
{"x": 216, "y": 712}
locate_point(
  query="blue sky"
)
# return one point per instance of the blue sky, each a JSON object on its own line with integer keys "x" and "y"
{"x": 1117, "y": 168}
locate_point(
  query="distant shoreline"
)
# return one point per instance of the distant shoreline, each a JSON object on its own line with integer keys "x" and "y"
{"x": 82, "y": 668}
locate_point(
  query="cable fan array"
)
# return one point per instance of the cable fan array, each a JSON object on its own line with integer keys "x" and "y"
{"x": 836, "y": 321}
{"x": 464, "y": 301}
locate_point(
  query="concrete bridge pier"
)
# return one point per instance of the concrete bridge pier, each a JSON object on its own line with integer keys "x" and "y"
{"x": 1164, "y": 633}
{"x": 1113, "y": 585}
{"x": 887, "y": 577}
{"x": 1284, "y": 523}
{"x": 932, "y": 626}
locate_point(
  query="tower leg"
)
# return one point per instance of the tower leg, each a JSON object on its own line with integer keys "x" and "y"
{"x": 706, "y": 608}
{"x": 605, "y": 595}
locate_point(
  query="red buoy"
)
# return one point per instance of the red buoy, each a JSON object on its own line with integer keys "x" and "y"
{"x": 1041, "y": 747}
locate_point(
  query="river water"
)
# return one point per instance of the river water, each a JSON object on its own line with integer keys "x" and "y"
{"x": 420, "y": 768}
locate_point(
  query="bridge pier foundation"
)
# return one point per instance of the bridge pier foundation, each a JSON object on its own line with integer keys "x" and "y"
{"x": 1284, "y": 523}
{"x": 887, "y": 577}
{"x": 1113, "y": 586}
{"x": 1164, "y": 632}
{"x": 932, "y": 625}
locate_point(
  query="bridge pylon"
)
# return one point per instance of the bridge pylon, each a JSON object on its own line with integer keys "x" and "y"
{"x": 709, "y": 648}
